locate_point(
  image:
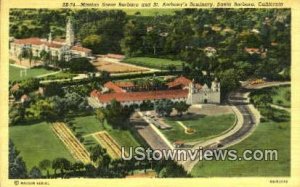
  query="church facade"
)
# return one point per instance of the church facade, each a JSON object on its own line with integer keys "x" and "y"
{"x": 59, "y": 48}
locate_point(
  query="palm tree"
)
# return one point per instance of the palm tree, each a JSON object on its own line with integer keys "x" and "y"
{"x": 45, "y": 165}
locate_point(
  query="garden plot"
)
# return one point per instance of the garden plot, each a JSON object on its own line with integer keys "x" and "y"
{"x": 107, "y": 142}
{"x": 102, "y": 64}
{"x": 74, "y": 146}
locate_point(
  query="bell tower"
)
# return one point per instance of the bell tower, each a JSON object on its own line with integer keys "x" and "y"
{"x": 70, "y": 38}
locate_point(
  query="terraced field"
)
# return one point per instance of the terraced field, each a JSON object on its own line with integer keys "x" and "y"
{"x": 77, "y": 150}
{"x": 107, "y": 142}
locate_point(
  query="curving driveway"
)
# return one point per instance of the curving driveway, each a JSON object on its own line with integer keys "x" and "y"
{"x": 247, "y": 119}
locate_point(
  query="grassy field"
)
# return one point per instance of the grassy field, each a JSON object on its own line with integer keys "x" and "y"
{"x": 205, "y": 127}
{"x": 89, "y": 124}
{"x": 157, "y": 63}
{"x": 281, "y": 96}
{"x": 38, "y": 142}
{"x": 14, "y": 73}
{"x": 274, "y": 132}
{"x": 268, "y": 135}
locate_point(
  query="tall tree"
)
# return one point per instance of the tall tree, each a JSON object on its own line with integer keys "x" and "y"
{"x": 35, "y": 173}
{"x": 62, "y": 164}
{"x": 17, "y": 167}
{"x": 181, "y": 107}
{"x": 45, "y": 165}
{"x": 117, "y": 115}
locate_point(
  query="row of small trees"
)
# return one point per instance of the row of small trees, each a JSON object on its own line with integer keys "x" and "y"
{"x": 103, "y": 167}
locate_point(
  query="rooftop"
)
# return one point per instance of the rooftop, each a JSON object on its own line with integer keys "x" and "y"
{"x": 180, "y": 81}
{"x": 37, "y": 41}
{"x": 112, "y": 86}
{"x": 140, "y": 96}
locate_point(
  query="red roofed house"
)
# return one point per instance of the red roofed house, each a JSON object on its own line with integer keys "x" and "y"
{"x": 181, "y": 89}
{"x": 58, "y": 47}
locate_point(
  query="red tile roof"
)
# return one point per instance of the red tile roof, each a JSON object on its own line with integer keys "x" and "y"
{"x": 112, "y": 86}
{"x": 37, "y": 41}
{"x": 79, "y": 48}
{"x": 53, "y": 45}
{"x": 180, "y": 81}
{"x": 34, "y": 41}
{"x": 140, "y": 96}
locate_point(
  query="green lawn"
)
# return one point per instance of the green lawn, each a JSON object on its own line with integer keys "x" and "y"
{"x": 274, "y": 132}
{"x": 14, "y": 73}
{"x": 124, "y": 138}
{"x": 281, "y": 96}
{"x": 268, "y": 135}
{"x": 37, "y": 142}
{"x": 157, "y": 63}
{"x": 89, "y": 124}
{"x": 205, "y": 127}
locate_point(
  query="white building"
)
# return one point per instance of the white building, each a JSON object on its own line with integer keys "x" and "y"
{"x": 59, "y": 48}
{"x": 204, "y": 94}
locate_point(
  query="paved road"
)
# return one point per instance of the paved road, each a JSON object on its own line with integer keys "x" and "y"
{"x": 248, "y": 118}
{"x": 148, "y": 133}
{"x": 238, "y": 99}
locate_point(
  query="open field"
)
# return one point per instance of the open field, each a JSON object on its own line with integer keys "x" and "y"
{"x": 124, "y": 138}
{"x": 281, "y": 95}
{"x": 77, "y": 150}
{"x": 37, "y": 142}
{"x": 87, "y": 125}
{"x": 14, "y": 73}
{"x": 115, "y": 67}
{"x": 269, "y": 135}
{"x": 204, "y": 127}
{"x": 273, "y": 133}
{"x": 157, "y": 63}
